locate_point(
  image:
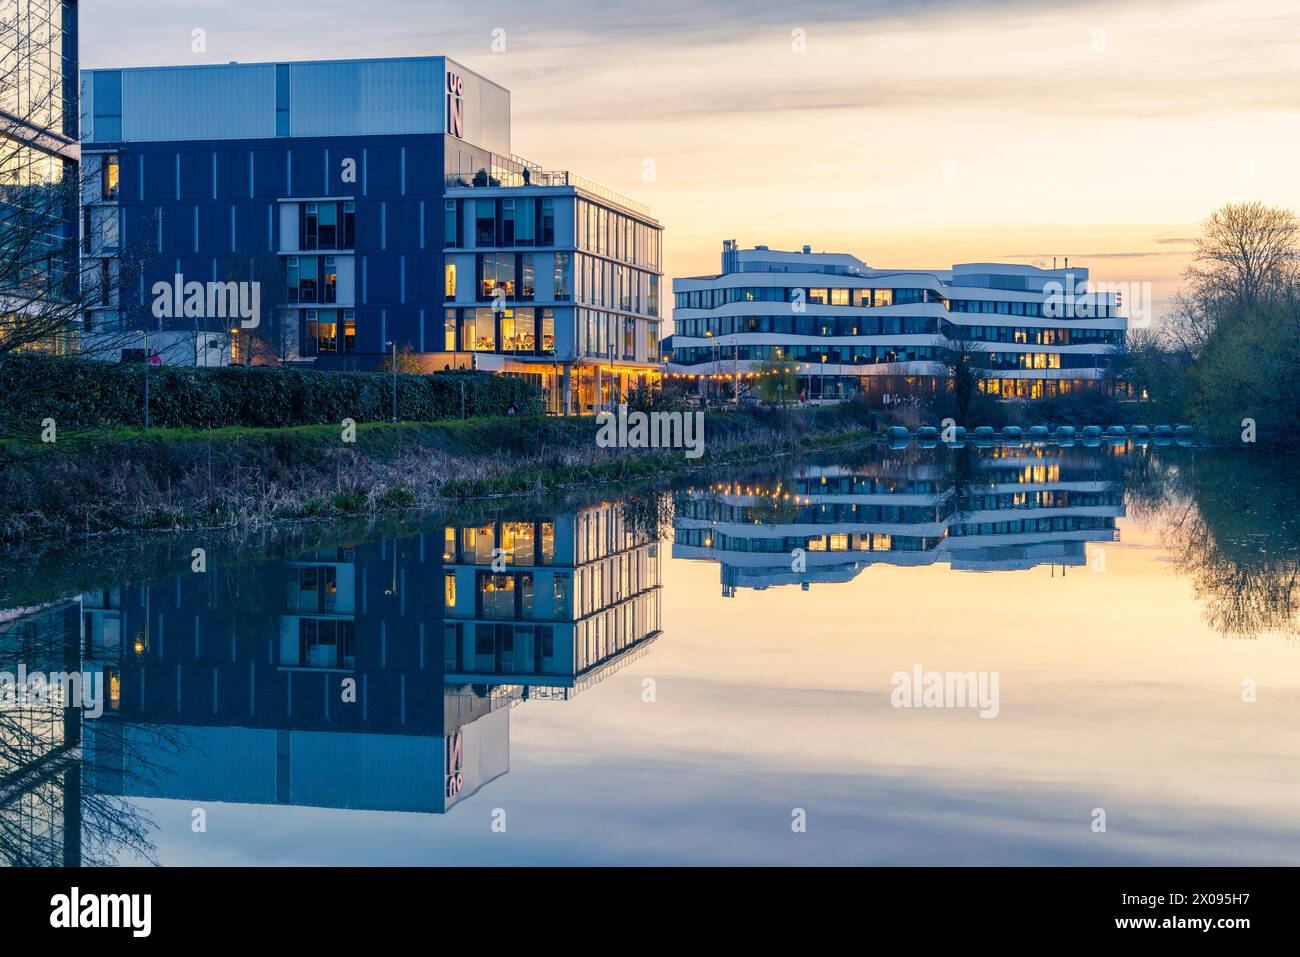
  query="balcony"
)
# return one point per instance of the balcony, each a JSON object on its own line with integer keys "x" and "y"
{"x": 515, "y": 171}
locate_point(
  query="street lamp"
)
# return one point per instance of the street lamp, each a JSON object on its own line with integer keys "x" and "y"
{"x": 146, "y": 379}
{"x": 390, "y": 344}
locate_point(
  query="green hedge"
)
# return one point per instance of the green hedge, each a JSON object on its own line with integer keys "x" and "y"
{"x": 81, "y": 394}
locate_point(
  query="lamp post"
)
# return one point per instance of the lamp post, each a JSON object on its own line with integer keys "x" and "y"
{"x": 393, "y": 346}
{"x": 146, "y": 379}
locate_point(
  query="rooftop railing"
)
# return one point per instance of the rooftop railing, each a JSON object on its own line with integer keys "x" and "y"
{"x": 514, "y": 171}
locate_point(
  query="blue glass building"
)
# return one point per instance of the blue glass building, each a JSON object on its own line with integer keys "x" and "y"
{"x": 377, "y": 204}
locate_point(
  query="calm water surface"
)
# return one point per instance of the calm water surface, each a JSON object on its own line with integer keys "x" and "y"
{"x": 697, "y": 674}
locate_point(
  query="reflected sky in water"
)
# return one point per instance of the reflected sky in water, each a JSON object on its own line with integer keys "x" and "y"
{"x": 503, "y": 661}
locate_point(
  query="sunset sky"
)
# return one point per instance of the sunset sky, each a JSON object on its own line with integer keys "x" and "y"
{"x": 911, "y": 134}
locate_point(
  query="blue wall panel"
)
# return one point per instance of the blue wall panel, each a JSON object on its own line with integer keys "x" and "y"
{"x": 270, "y": 172}
{"x": 308, "y": 172}
{"x": 256, "y": 222}
{"x": 196, "y": 174}
{"x": 232, "y": 174}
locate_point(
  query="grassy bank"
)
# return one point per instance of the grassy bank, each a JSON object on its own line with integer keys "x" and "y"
{"x": 112, "y": 480}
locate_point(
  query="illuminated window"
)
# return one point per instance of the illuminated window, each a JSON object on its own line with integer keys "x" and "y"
{"x": 517, "y": 542}
{"x": 548, "y": 330}
{"x": 451, "y": 281}
{"x": 109, "y": 181}
{"x": 498, "y": 593}
{"x": 449, "y": 588}
{"x": 349, "y": 331}
{"x": 480, "y": 542}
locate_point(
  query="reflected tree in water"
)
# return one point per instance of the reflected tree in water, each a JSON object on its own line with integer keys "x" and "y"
{"x": 55, "y": 760}
{"x": 1232, "y": 529}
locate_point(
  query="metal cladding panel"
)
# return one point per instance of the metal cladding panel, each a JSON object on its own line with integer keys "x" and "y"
{"x": 399, "y": 772}
{"x": 208, "y": 103}
{"x": 487, "y": 111}
{"x": 366, "y": 97}
{"x": 212, "y": 764}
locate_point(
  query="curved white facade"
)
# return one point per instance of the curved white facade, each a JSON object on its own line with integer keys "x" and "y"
{"x": 848, "y": 328}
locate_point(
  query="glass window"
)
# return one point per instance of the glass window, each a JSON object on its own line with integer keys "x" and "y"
{"x": 479, "y": 332}
{"x": 449, "y": 236}
{"x": 322, "y": 643}
{"x": 498, "y": 593}
{"x": 548, "y": 222}
{"x": 310, "y": 222}
{"x": 563, "y": 277}
{"x": 308, "y": 278}
{"x": 326, "y": 329}
{"x": 509, "y": 341}
{"x": 526, "y": 223}
{"x": 497, "y": 272}
{"x": 485, "y": 223}
{"x": 527, "y": 279}
{"x": 328, "y": 225}
{"x": 449, "y": 331}
{"x": 507, "y": 222}
{"x": 109, "y": 175}
{"x": 548, "y": 331}
{"x": 349, "y": 226}
{"x": 524, "y": 330}
{"x": 450, "y": 290}
{"x": 331, "y": 277}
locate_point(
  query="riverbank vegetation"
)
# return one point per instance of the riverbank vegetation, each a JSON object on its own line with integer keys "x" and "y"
{"x": 1229, "y": 354}
{"x": 108, "y": 480}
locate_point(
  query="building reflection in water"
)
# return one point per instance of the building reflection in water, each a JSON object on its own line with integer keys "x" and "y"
{"x": 996, "y": 508}
{"x": 375, "y": 676}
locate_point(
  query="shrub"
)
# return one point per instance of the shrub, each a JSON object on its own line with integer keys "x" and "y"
{"x": 82, "y": 394}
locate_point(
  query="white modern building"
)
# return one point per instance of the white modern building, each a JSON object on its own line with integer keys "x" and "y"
{"x": 847, "y": 329}
{"x": 1022, "y": 506}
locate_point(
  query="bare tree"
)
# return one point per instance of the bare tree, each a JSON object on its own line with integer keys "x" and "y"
{"x": 966, "y": 362}
{"x": 1246, "y": 254}
{"x": 52, "y": 757}
{"x": 46, "y": 292}
{"x": 275, "y": 339}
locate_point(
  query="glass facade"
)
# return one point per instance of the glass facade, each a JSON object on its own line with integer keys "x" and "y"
{"x": 556, "y": 274}
{"x": 38, "y": 166}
